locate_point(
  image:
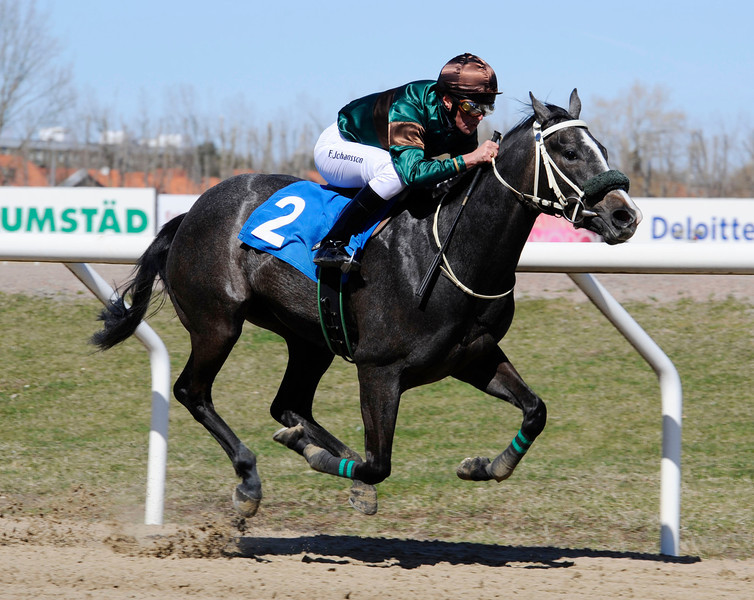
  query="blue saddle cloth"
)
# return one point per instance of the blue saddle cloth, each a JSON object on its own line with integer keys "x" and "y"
{"x": 296, "y": 218}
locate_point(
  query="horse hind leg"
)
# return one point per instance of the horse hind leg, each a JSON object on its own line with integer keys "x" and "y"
{"x": 193, "y": 389}
{"x": 380, "y": 396}
{"x": 292, "y": 407}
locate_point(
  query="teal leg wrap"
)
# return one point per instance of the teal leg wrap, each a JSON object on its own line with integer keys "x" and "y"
{"x": 321, "y": 460}
{"x": 520, "y": 443}
{"x": 345, "y": 469}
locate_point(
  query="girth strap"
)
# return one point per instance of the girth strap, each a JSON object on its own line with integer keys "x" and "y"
{"x": 331, "y": 314}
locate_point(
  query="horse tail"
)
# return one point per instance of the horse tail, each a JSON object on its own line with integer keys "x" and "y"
{"x": 121, "y": 320}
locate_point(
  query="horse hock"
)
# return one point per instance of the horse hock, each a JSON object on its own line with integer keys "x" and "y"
{"x": 363, "y": 496}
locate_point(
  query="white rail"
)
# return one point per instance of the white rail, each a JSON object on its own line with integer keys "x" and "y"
{"x": 160, "y": 366}
{"x": 544, "y": 257}
{"x": 706, "y": 257}
{"x": 672, "y": 407}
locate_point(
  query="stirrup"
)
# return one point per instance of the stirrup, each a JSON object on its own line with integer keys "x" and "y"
{"x": 333, "y": 255}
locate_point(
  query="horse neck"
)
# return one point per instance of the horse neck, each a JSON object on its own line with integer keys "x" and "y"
{"x": 491, "y": 234}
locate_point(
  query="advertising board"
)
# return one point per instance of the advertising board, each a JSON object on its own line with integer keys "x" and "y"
{"x": 696, "y": 220}
{"x": 172, "y": 205}
{"x": 95, "y": 211}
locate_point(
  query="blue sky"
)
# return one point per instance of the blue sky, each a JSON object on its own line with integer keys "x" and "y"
{"x": 304, "y": 60}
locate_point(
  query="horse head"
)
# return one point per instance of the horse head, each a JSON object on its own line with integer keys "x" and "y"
{"x": 576, "y": 181}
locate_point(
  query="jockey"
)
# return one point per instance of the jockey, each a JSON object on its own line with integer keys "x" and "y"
{"x": 385, "y": 142}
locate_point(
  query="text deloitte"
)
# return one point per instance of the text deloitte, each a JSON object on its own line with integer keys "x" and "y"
{"x": 724, "y": 229}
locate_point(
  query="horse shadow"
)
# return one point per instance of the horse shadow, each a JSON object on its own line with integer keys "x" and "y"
{"x": 411, "y": 554}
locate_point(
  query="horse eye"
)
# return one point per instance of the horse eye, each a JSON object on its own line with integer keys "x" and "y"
{"x": 570, "y": 154}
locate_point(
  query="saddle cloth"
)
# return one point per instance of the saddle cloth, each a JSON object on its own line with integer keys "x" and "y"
{"x": 296, "y": 218}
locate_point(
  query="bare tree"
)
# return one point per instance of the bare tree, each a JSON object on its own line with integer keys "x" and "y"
{"x": 32, "y": 87}
{"x": 710, "y": 164}
{"x": 186, "y": 119}
{"x": 743, "y": 179}
{"x": 646, "y": 133}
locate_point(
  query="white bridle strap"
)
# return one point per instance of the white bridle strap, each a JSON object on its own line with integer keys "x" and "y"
{"x": 563, "y": 125}
{"x": 448, "y": 272}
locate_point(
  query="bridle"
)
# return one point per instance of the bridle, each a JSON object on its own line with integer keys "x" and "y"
{"x": 572, "y": 207}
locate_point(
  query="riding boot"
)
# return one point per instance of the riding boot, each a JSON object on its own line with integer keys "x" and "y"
{"x": 331, "y": 251}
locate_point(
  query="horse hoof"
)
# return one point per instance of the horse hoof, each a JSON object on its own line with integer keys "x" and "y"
{"x": 363, "y": 498}
{"x": 474, "y": 469}
{"x": 245, "y": 505}
{"x": 288, "y": 436}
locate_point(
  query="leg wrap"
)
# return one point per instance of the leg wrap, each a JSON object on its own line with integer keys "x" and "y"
{"x": 321, "y": 460}
{"x": 503, "y": 466}
{"x": 520, "y": 443}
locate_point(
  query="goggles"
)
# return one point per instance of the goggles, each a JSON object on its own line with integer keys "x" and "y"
{"x": 475, "y": 109}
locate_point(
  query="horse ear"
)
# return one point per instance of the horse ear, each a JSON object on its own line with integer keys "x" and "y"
{"x": 574, "y": 107}
{"x": 541, "y": 112}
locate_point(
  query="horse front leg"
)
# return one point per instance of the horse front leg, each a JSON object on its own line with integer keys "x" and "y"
{"x": 495, "y": 375}
{"x": 314, "y": 442}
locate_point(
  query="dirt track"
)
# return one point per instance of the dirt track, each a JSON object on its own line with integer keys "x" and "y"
{"x": 72, "y": 559}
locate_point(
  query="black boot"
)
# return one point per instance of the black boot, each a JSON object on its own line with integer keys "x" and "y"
{"x": 354, "y": 217}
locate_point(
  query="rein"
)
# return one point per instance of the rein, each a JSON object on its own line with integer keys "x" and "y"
{"x": 572, "y": 208}
{"x": 448, "y": 272}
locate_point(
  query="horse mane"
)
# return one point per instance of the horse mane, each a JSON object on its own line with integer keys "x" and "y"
{"x": 527, "y": 120}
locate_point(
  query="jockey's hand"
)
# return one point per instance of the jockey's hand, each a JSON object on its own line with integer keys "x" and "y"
{"x": 485, "y": 153}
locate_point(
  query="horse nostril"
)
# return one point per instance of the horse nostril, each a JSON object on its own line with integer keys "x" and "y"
{"x": 622, "y": 218}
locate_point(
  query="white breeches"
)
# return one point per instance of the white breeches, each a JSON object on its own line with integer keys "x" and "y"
{"x": 351, "y": 165}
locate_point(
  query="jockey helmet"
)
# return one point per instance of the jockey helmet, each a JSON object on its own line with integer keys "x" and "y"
{"x": 468, "y": 76}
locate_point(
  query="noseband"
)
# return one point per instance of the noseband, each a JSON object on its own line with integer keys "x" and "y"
{"x": 572, "y": 207}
